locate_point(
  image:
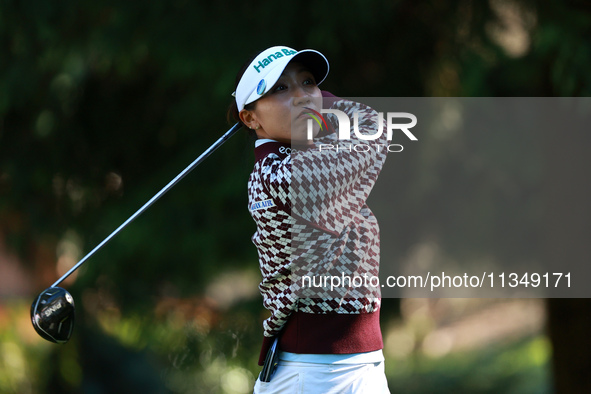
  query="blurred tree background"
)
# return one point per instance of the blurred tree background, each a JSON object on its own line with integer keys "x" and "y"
{"x": 103, "y": 102}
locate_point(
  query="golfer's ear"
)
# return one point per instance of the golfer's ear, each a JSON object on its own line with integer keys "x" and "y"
{"x": 248, "y": 118}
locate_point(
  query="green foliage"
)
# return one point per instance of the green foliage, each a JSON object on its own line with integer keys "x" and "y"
{"x": 519, "y": 367}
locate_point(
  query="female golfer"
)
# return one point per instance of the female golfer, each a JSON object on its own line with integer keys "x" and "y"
{"x": 317, "y": 241}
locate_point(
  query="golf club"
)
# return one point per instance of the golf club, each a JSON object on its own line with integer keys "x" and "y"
{"x": 52, "y": 312}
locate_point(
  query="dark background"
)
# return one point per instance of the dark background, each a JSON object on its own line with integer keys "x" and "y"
{"x": 103, "y": 102}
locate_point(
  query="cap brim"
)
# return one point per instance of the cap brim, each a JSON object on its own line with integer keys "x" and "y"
{"x": 315, "y": 62}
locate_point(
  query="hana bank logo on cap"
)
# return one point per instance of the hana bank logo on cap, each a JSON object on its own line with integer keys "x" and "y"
{"x": 266, "y": 60}
{"x": 266, "y": 68}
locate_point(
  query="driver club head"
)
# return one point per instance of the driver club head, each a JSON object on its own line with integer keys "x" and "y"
{"x": 52, "y": 314}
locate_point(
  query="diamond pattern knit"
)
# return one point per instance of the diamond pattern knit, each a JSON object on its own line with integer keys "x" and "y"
{"x": 313, "y": 221}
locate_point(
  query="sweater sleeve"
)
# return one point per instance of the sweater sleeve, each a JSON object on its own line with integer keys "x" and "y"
{"x": 331, "y": 182}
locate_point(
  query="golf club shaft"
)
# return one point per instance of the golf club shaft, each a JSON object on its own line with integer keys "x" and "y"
{"x": 166, "y": 188}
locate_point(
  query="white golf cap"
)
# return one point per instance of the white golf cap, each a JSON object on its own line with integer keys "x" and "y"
{"x": 264, "y": 71}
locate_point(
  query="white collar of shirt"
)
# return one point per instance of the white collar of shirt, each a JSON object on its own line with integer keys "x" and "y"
{"x": 262, "y": 141}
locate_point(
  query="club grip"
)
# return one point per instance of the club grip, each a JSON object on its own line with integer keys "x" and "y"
{"x": 271, "y": 362}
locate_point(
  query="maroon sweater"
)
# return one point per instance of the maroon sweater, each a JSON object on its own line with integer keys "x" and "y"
{"x": 312, "y": 220}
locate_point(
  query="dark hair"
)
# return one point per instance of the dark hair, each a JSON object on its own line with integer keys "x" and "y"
{"x": 233, "y": 115}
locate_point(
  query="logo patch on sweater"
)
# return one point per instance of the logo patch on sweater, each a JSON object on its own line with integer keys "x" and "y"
{"x": 255, "y": 206}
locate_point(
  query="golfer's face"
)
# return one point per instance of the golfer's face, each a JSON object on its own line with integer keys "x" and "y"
{"x": 281, "y": 113}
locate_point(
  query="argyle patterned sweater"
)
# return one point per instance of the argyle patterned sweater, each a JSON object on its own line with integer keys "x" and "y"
{"x": 313, "y": 222}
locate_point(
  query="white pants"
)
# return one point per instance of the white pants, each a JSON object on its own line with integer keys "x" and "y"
{"x": 309, "y": 378}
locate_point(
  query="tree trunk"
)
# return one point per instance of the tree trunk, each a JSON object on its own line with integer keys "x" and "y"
{"x": 567, "y": 194}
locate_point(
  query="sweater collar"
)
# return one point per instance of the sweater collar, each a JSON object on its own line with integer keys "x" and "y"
{"x": 280, "y": 149}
